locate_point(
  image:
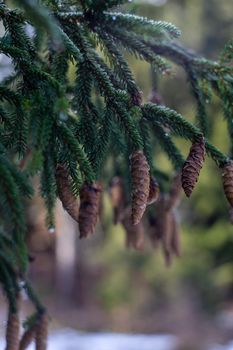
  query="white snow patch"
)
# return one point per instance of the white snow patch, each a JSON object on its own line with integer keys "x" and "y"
{"x": 68, "y": 339}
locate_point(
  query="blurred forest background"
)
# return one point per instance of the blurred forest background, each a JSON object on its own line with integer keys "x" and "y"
{"x": 100, "y": 285}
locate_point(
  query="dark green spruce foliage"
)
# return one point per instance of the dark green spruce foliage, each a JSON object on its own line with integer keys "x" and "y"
{"x": 45, "y": 119}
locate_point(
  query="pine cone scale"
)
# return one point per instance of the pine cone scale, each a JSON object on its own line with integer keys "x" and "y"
{"x": 227, "y": 177}
{"x": 27, "y": 338}
{"x": 42, "y": 332}
{"x": 12, "y": 332}
{"x": 69, "y": 201}
{"x": 140, "y": 185}
{"x": 192, "y": 166}
{"x": 90, "y": 196}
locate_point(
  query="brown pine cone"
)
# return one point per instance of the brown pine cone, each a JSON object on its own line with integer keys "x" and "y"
{"x": 134, "y": 233}
{"x": 69, "y": 201}
{"x": 140, "y": 185}
{"x": 12, "y": 332}
{"x": 160, "y": 210}
{"x": 117, "y": 198}
{"x": 158, "y": 223}
{"x": 27, "y": 338}
{"x": 137, "y": 98}
{"x": 164, "y": 229}
{"x": 227, "y": 175}
{"x": 175, "y": 192}
{"x": 154, "y": 234}
{"x": 192, "y": 166}
{"x": 89, "y": 208}
{"x": 154, "y": 191}
{"x": 42, "y": 332}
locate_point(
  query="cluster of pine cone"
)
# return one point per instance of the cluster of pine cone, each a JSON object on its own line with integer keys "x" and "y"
{"x": 38, "y": 331}
{"x": 161, "y": 223}
{"x": 193, "y": 165}
{"x": 144, "y": 191}
{"x": 85, "y": 211}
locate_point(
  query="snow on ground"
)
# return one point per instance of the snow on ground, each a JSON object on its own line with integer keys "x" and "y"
{"x": 68, "y": 339}
{"x": 222, "y": 347}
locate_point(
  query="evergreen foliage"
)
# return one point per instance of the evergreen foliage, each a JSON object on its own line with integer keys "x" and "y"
{"x": 45, "y": 120}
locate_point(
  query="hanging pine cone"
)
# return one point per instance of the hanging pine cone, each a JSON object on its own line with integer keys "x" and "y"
{"x": 154, "y": 191}
{"x": 27, "y": 338}
{"x": 137, "y": 98}
{"x": 154, "y": 234}
{"x": 227, "y": 174}
{"x": 158, "y": 222}
{"x": 42, "y": 332}
{"x": 12, "y": 332}
{"x": 175, "y": 192}
{"x": 192, "y": 166}
{"x": 161, "y": 229}
{"x": 134, "y": 233}
{"x": 69, "y": 201}
{"x": 117, "y": 198}
{"x": 164, "y": 230}
{"x": 140, "y": 185}
{"x": 89, "y": 208}
{"x": 160, "y": 210}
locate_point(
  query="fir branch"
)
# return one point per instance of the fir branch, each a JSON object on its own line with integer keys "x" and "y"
{"x": 225, "y": 93}
{"x": 59, "y": 67}
{"x": 104, "y": 137}
{"x": 84, "y": 107}
{"x": 181, "y": 127}
{"x": 134, "y": 44}
{"x": 70, "y": 46}
{"x": 8, "y": 252}
{"x": 120, "y": 65}
{"x": 113, "y": 98}
{"x": 10, "y": 190}
{"x": 137, "y": 24}
{"x": 202, "y": 117}
{"x": 67, "y": 137}
{"x": 20, "y": 179}
{"x": 17, "y": 122}
{"x": 147, "y": 141}
{"x": 10, "y": 96}
{"x": 113, "y": 77}
{"x": 42, "y": 117}
{"x": 40, "y": 17}
{"x": 70, "y": 163}
{"x": 168, "y": 146}
{"x": 227, "y": 53}
{"x": 141, "y": 25}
